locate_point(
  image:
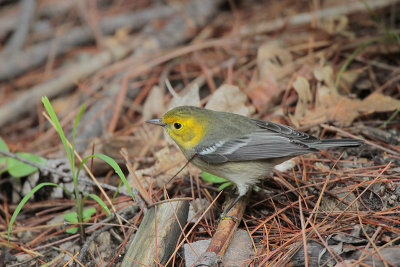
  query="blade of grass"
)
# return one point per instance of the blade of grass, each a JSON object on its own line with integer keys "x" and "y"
{"x": 90, "y": 175}
{"x": 392, "y": 117}
{"x": 78, "y": 118}
{"x": 98, "y": 200}
{"x": 59, "y": 129}
{"x": 113, "y": 164}
{"x": 26, "y": 198}
{"x": 351, "y": 57}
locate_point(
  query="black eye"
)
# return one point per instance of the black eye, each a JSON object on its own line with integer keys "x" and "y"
{"x": 177, "y": 125}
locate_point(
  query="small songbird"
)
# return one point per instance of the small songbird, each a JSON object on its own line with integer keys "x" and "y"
{"x": 235, "y": 147}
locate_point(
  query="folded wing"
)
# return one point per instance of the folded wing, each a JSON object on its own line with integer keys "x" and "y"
{"x": 270, "y": 140}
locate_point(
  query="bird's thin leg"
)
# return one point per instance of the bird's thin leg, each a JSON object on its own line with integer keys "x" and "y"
{"x": 227, "y": 209}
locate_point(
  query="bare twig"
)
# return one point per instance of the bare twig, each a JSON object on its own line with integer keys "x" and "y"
{"x": 335, "y": 129}
{"x": 224, "y": 233}
{"x": 37, "y": 54}
{"x": 304, "y": 18}
{"x": 64, "y": 81}
{"x": 123, "y": 213}
{"x": 18, "y": 38}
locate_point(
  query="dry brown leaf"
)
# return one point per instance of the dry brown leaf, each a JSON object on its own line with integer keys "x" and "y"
{"x": 229, "y": 98}
{"x": 271, "y": 58}
{"x": 306, "y": 71}
{"x": 326, "y": 98}
{"x": 344, "y": 110}
{"x": 191, "y": 98}
{"x": 169, "y": 161}
{"x": 347, "y": 110}
{"x": 325, "y": 75}
{"x": 302, "y": 88}
{"x": 334, "y": 24}
{"x": 377, "y": 102}
{"x": 330, "y": 105}
{"x": 351, "y": 76}
{"x": 262, "y": 94}
{"x": 330, "y": 203}
{"x": 154, "y": 105}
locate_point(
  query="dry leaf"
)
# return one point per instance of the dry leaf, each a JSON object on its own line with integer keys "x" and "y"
{"x": 154, "y": 105}
{"x": 330, "y": 105}
{"x": 262, "y": 94}
{"x": 326, "y": 96}
{"x": 344, "y": 110}
{"x": 377, "y": 102}
{"x": 325, "y": 75}
{"x": 302, "y": 88}
{"x": 169, "y": 161}
{"x": 270, "y": 61}
{"x": 270, "y": 58}
{"x": 336, "y": 25}
{"x": 229, "y": 98}
{"x": 349, "y": 77}
{"x": 191, "y": 98}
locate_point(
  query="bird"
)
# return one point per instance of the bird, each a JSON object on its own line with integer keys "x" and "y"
{"x": 238, "y": 148}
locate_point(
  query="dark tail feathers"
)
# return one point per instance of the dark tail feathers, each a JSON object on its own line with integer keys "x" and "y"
{"x": 337, "y": 143}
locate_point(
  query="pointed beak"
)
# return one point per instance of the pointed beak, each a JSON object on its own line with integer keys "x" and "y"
{"x": 156, "y": 122}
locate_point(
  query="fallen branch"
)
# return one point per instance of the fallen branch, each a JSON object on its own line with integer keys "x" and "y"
{"x": 27, "y": 10}
{"x": 37, "y": 54}
{"x": 63, "y": 82}
{"x": 157, "y": 236}
{"x": 223, "y": 235}
{"x": 305, "y": 18}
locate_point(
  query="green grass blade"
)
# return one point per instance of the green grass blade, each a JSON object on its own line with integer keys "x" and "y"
{"x": 113, "y": 164}
{"x": 26, "y": 198}
{"x": 117, "y": 169}
{"x": 116, "y": 191}
{"x": 389, "y": 32}
{"x": 392, "y": 117}
{"x": 101, "y": 203}
{"x": 77, "y": 119}
{"x": 396, "y": 36}
{"x": 350, "y": 59}
{"x": 59, "y": 129}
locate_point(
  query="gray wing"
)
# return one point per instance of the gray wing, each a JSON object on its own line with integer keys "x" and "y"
{"x": 270, "y": 140}
{"x": 287, "y": 131}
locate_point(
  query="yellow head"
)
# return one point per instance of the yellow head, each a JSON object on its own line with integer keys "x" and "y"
{"x": 186, "y": 125}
